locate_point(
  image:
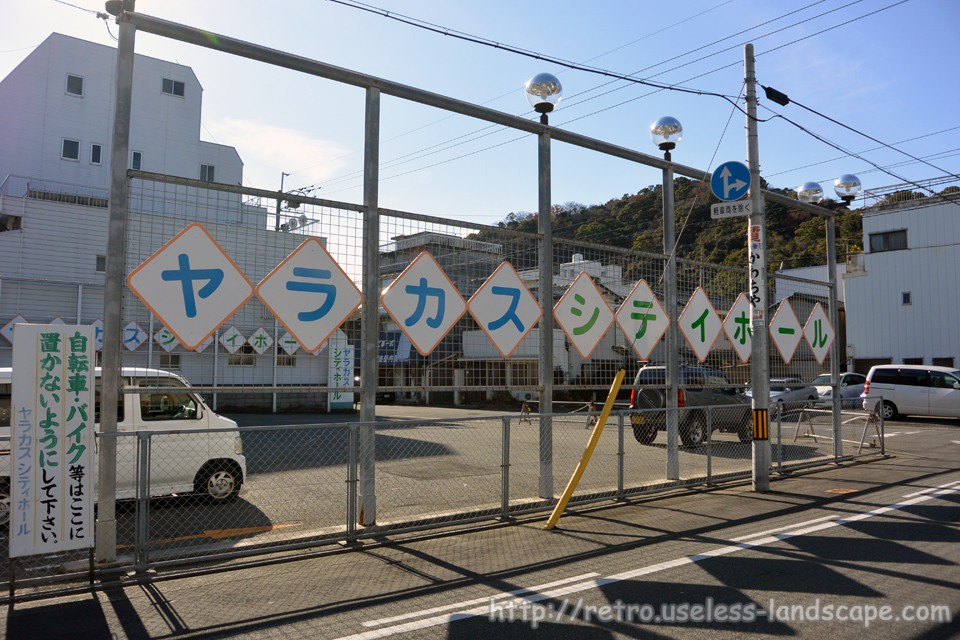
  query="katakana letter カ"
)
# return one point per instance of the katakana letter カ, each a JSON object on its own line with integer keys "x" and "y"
{"x": 187, "y": 277}
{"x": 314, "y": 287}
{"x": 422, "y": 291}
{"x": 643, "y": 317}
{"x": 511, "y": 314}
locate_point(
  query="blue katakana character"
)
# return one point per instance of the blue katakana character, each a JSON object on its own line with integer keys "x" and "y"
{"x": 187, "y": 276}
{"x": 511, "y": 313}
{"x": 422, "y": 291}
{"x": 314, "y": 287}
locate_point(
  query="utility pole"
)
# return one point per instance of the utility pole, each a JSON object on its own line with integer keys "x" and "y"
{"x": 757, "y": 265}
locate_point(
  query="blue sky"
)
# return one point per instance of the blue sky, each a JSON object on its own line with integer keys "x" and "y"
{"x": 890, "y": 75}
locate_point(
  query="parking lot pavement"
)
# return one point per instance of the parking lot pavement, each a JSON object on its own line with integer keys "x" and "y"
{"x": 854, "y": 538}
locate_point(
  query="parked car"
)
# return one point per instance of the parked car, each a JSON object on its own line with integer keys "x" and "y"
{"x": 788, "y": 390}
{"x": 918, "y": 390}
{"x": 851, "y": 386}
{"x": 700, "y": 386}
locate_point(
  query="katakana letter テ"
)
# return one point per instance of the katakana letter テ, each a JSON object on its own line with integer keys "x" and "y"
{"x": 582, "y": 329}
{"x": 187, "y": 277}
{"x": 511, "y": 313}
{"x": 422, "y": 291}
{"x": 314, "y": 287}
{"x": 643, "y": 317}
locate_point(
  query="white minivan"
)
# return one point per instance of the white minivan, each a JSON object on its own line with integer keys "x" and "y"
{"x": 909, "y": 389}
{"x": 209, "y": 463}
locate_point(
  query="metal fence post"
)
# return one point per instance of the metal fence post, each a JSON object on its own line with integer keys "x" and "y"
{"x": 620, "y": 455}
{"x": 546, "y": 365}
{"x": 779, "y": 442}
{"x": 351, "y": 481}
{"x": 709, "y": 445}
{"x": 505, "y": 468}
{"x": 883, "y": 431}
{"x": 142, "y": 535}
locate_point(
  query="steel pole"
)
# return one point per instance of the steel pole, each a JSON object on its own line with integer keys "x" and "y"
{"x": 106, "y": 530}
{"x": 545, "y": 227}
{"x": 673, "y": 335}
{"x": 834, "y": 315}
{"x": 370, "y": 312}
{"x": 757, "y": 265}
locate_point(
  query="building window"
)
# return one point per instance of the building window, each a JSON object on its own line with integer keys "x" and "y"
{"x": 172, "y": 87}
{"x": 74, "y": 85}
{"x": 244, "y": 357}
{"x": 906, "y": 297}
{"x": 888, "y": 241}
{"x": 70, "y": 150}
{"x": 170, "y": 361}
{"x": 9, "y": 223}
{"x": 913, "y": 361}
{"x": 136, "y": 161}
{"x": 284, "y": 359}
{"x": 943, "y": 362}
{"x": 206, "y": 172}
{"x": 96, "y": 154}
{"x": 101, "y": 264}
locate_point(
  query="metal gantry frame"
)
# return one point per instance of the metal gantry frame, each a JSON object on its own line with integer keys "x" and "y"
{"x": 130, "y": 22}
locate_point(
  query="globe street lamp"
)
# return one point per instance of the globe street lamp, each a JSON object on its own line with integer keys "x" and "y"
{"x": 543, "y": 93}
{"x": 665, "y": 134}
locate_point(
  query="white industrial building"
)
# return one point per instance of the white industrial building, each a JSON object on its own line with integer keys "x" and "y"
{"x": 56, "y": 124}
{"x": 903, "y": 292}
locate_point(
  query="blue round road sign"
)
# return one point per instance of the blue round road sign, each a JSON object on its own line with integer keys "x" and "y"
{"x": 730, "y": 180}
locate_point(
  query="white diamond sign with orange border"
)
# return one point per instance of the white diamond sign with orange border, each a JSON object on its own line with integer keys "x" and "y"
{"x": 583, "y": 314}
{"x": 424, "y": 303}
{"x": 819, "y": 333}
{"x": 191, "y": 285}
{"x": 700, "y": 324}
{"x": 309, "y": 294}
{"x": 505, "y": 309}
{"x": 642, "y": 319}
{"x": 737, "y": 327}
{"x": 785, "y": 331}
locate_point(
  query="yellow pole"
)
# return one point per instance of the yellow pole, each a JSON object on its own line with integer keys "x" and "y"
{"x": 588, "y": 452}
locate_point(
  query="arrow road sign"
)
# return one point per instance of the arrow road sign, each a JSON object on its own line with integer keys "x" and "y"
{"x": 730, "y": 181}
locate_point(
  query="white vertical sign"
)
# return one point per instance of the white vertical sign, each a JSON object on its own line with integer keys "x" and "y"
{"x": 53, "y": 439}
{"x": 339, "y": 371}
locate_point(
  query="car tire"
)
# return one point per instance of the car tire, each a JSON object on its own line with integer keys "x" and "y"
{"x": 693, "y": 432}
{"x": 218, "y": 482}
{"x": 645, "y": 434}
{"x": 888, "y": 410}
{"x": 4, "y": 504}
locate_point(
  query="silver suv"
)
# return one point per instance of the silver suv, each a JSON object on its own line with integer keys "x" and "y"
{"x": 700, "y": 386}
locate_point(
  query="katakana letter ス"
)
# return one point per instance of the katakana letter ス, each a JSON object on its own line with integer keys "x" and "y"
{"x": 422, "y": 291}
{"x": 187, "y": 277}
{"x": 643, "y": 317}
{"x": 314, "y": 287}
{"x": 511, "y": 314}
{"x": 582, "y": 329}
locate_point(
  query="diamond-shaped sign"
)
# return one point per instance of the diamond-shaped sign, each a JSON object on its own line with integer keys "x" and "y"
{"x": 309, "y": 294}
{"x": 642, "y": 319}
{"x": 700, "y": 324}
{"x": 819, "y": 333}
{"x": 97, "y": 334}
{"x": 289, "y": 344}
{"x": 7, "y": 330}
{"x": 191, "y": 285}
{"x": 200, "y": 348}
{"x": 133, "y": 336}
{"x": 260, "y": 340}
{"x": 232, "y": 339}
{"x": 165, "y": 339}
{"x": 505, "y": 309}
{"x": 785, "y": 331}
{"x": 737, "y": 327}
{"x": 424, "y": 303}
{"x": 583, "y": 314}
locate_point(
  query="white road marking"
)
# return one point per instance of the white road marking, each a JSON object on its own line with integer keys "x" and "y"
{"x": 901, "y": 433}
{"x": 799, "y": 529}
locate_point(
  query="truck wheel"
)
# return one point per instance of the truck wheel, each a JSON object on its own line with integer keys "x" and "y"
{"x": 644, "y": 434}
{"x": 888, "y": 410}
{"x": 693, "y": 432}
{"x": 4, "y": 504}
{"x": 218, "y": 481}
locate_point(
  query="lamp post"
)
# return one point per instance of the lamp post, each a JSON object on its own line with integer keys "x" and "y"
{"x": 847, "y": 187}
{"x": 543, "y": 93}
{"x": 280, "y": 201}
{"x": 665, "y": 134}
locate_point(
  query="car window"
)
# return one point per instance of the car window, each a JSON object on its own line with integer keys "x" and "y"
{"x": 648, "y": 377}
{"x": 821, "y": 380}
{"x": 168, "y": 405}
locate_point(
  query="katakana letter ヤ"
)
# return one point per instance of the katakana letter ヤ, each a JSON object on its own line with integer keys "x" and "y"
{"x": 422, "y": 291}
{"x": 314, "y": 287}
{"x": 187, "y": 277}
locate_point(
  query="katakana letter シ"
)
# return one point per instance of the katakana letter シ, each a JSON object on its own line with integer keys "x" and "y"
{"x": 582, "y": 329}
